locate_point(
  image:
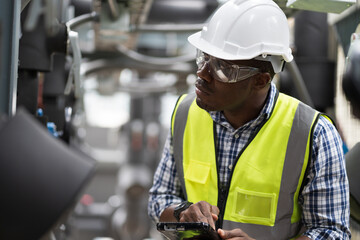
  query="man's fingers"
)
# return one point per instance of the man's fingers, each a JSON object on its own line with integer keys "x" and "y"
{"x": 221, "y": 233}
{"x": 200, "y": 212}
{"x": 215, "y": 210}
{"x": 206, "y": 210}
{"x": 237, "y": 234}
{"x": 193, "y": 214}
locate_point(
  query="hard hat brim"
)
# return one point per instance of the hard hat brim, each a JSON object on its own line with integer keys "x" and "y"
{"x": 197, "y": 41}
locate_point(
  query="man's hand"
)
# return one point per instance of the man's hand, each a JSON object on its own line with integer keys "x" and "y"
{"x": 235, "y": 234}
{"x": 238, "y": 234}
{"x": 201, "y": 212}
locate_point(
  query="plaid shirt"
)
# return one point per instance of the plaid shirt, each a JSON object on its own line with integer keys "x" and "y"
{"x": 324, "y": 198}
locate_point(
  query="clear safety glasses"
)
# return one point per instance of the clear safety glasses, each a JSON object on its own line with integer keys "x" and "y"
{"x": 224, "y": 71}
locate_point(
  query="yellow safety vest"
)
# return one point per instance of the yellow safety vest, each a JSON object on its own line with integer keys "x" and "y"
{"x": 262, "y": 197}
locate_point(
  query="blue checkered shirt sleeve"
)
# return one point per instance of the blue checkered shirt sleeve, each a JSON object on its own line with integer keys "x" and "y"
{"x": 325, "y": 196}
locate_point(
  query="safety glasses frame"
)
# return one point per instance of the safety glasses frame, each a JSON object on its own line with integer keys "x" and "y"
{"x": 224, "y": 71}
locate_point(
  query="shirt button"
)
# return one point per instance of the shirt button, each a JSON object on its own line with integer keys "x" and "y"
{"x": 237, "y": 136}
{"x": 230, "y": 166}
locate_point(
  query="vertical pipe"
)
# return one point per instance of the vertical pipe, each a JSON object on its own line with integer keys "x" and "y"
{"x": 9, "y": 48}
{"x": 299, "y": 83}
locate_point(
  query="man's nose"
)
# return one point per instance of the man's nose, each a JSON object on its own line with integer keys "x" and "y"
{"x": 204, "y": 72}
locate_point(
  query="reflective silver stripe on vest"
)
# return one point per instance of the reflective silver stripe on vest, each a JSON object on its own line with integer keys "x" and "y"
{"x": 294, "y": 160}
{"x": 178, "y": 137}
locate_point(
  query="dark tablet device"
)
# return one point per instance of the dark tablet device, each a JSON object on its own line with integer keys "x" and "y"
{"x": 188, "y": 230}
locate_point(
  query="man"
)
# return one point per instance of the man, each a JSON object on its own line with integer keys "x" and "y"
{"x": 251, "y": 162}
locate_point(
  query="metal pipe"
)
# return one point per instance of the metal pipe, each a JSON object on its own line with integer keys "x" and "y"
{"x": 24, "y": 3}
{"x": 122, "y": 62}
{"x": 114, "y": 9}
{"x": 154, "y": 60}
{"x": 9, "y": 53}
{"x": 169, "y": 27}
{"x": 75, "y": 22}
{"x": 299, "y": 83}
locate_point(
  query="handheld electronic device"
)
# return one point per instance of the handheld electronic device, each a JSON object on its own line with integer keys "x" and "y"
{"x": 187, "y": 230}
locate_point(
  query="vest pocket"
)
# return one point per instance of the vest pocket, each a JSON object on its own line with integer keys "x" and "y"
{"x": 254, "y": 207}
{"x": 197, "y": 178}
{"x": 197, "y": 172}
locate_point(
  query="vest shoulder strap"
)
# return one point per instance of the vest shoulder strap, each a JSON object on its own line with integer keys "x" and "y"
{"x": 179, "y": 120}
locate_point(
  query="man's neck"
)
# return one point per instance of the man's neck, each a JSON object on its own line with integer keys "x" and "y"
{"x": 248, "y": 112}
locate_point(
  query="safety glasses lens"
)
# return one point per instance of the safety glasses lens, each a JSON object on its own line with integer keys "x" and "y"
{"x": 201, "y": 59}
{"x": 224, "y": 71}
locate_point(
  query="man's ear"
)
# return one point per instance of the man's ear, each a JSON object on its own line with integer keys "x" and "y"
{"x": 262, "y": 80}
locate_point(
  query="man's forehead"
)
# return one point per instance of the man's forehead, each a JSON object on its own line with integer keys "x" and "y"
{"x": 242, "y": 62}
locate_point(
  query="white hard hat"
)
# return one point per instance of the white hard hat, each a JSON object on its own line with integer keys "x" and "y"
{"x": 246, "y": 29}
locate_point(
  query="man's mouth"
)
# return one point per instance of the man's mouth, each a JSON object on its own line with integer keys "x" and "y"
{"x": 201, "y": 88}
